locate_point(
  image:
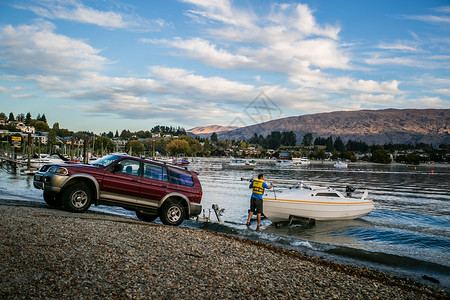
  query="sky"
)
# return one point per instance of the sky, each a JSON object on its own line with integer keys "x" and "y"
{"x": 103, "y": 65}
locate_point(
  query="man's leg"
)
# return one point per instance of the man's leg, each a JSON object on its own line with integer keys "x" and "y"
{"x": 250, "y": 215}
{"x": 258, "y": 217}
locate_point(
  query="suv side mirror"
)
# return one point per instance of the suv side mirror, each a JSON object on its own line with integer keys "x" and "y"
{"x": 116, "y": 168}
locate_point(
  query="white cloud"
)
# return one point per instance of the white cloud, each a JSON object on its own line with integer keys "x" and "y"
{"x": 399, "y": 46}
{"x": 183, "y": 82}
{"x": 445, "y": 92}
{"x": 73, "y": 10}
{"x": 287, "y": 40}
{"x": 37, "y": 49}
{"x": 207, "y": 53}
{"x": 398, "y": 61}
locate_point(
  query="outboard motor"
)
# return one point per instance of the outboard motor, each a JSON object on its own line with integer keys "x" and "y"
{"x": 349, "y": 190}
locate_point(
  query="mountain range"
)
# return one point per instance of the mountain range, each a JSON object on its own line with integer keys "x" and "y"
{"x": 396, "y": 126}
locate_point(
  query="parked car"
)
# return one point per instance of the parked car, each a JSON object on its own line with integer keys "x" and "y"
{"x": 152, "y": 189}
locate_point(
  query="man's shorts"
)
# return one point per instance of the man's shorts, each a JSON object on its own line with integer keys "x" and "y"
{"x": 256, "y": 205}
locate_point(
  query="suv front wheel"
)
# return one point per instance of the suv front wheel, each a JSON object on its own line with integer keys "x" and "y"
{"x": 172, "y": 213}
{"x": 77, "y": 198}
{"x": 52, "y": 200}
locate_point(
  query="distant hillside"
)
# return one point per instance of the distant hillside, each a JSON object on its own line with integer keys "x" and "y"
{"x": 409, "y": 126}
{"x": 208, "y": 130}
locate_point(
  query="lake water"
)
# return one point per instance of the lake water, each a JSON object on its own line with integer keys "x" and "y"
{"x": 407, "y": 234}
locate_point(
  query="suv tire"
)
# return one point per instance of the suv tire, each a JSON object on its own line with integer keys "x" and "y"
{"x": 77, "y": 198}
{"x": 146, "y": 217}
{"x": 172, "y": 213}
{"x": 52, "y": 200}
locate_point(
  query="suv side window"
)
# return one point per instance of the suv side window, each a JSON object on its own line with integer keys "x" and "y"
{"x": 180, "y": 177}
{"x": 155, "y": 172}
{"x": 128, "y": 166}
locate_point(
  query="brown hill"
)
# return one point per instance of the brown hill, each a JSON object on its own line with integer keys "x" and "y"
{"x": 208, "y": 130}
{"x": 409, "y": 126}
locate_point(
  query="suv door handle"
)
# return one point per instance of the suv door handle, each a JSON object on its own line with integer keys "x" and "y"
{"x": 134, "y": 180}
{"x": 164, "y": 186}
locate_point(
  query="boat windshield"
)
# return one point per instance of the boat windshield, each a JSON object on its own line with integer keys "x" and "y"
{"x": 105, "y": 161}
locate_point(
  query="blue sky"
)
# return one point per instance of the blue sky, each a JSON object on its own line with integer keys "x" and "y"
{"x": 111, "y": 65}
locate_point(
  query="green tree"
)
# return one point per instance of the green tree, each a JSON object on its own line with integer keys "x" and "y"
{"x": 103, "y": 145}
{"x": 194, "y": 145}
{"x": 319, "y": 154}
{"x": 40, "y": 126}
{"x": 136, "y": 147}
{"x": 51, "y": 140}
{"x": 28, "y": 119}
{"x": 207, "y": 147}
{"x": 320, "y": 141}
{"x": 214, "y": 137}
{"x": 288, "y": 138}
{"x": 20, "y": 117}
{"x": 413, "y": 158}
{"x": 177, "y": 147}
{"x": 339, "y": 145}
{"x": 273, "y": 140}
{"x": 11, "y": 117}
{"x": 3, "y": 116}
{"x": 307, "y": 139}
{"x": 329, "y": 144}
{"x": 380, "y": 156}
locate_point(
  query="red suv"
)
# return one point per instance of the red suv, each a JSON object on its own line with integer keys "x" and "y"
{"x": 148, "y": 187}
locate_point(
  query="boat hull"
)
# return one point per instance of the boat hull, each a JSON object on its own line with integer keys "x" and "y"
{"x": 319, "y": 208}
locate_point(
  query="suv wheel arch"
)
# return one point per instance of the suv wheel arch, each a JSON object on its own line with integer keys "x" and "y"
{"x": 86, "y": 179}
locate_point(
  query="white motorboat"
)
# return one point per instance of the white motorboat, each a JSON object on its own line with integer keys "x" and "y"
{"x": 44, "y": 159}
{"x": 303, "y": 161}
{"x": 340, "y": 164}
{"x": 239, "y": 164}
{"x": 284, "y": 163}
{"x": 312, "y": 202}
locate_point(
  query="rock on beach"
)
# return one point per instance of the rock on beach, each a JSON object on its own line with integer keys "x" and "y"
{"x": 51, "y": 253}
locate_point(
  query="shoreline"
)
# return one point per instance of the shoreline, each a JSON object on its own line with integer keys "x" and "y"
{"x": 327, "y": 162}
{"x": 47, "y": 252}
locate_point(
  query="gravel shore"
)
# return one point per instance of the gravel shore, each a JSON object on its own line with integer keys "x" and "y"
{"x": 50, "y": 253}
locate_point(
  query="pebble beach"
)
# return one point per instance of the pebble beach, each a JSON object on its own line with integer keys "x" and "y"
{"x": 51, "y": 253}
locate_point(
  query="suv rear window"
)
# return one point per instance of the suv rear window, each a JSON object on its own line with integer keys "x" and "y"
{"x": 180, "y": 177}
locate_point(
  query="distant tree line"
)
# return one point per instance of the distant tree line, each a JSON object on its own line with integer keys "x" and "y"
{"x": 275, "y": 139}
{"x": 139, "y": 143}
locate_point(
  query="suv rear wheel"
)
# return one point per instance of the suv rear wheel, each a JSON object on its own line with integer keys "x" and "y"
{"x": 172, "y": 213}
{"x": 77, "y": 198}
{"x": 145, "y": 217}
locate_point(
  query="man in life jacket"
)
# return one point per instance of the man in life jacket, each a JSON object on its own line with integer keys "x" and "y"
{"x": 256, "y": 200}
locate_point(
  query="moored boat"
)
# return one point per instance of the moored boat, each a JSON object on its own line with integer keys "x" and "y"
{"x": 303, "y": 161}
{"x": 181, "y": 161}
{"x": 44, "y": 159}
{"x": 239, "y": 164}
{"x": 340, "y": 164}
{"x": 313, "y": 202}
{"x": 284, "y": 163}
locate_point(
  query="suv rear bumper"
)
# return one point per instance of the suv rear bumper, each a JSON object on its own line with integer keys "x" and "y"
{"x": 195, "y": 209}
